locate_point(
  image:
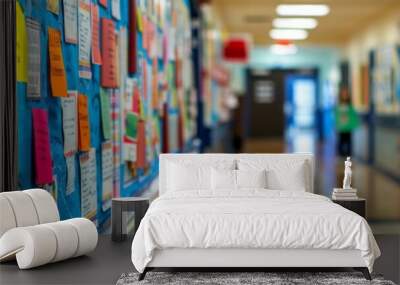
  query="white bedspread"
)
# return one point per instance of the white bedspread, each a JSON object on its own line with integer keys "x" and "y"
{"x": 250, "y": 219}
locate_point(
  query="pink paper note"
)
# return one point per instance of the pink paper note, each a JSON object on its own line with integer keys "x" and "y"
{"x": 41, "y": 143}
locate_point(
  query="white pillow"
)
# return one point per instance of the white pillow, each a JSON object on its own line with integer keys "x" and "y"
{"x": 251, "y": 178}
{"x": 281, "y": 174}
{"x": 223, "y": 179}
{"x": 184, "y": 178}
{"x": 291, "y": 181}
{"x": 193, "y": 174}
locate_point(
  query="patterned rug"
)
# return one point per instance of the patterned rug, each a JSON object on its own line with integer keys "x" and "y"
{"x": 233, "y": 278}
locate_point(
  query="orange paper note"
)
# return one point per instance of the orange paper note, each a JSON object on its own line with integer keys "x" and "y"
{"x": 58, "y": 79}
{"x": 83, "y": 120}
{"x": 96, "y": 57}
{"x": 108, "y": 42}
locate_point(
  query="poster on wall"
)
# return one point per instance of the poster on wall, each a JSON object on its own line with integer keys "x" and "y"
{"x": 88, "y": 170}
{"x": 69, "y": 119}
{"x": 58, "y": 80}
{"x": 107, "y": 174}
{"x": 33, "y": 87}
{"x": 71, "y": 21}
{"x": 41, "y": 145}
{"x": 85, "y": 36}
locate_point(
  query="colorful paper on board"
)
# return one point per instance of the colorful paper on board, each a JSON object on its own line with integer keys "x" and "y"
{"x": 132, "y": 60}
{"x": 53, "y": 6}
{"x": 21, "y": 45}
{"x": 58, "y": 80}
{"x": 103, "y": 3}
{"x": 96, "y": 56}
{"x": 83, "y": 122}
{"x": 105, "y": 113}
{"x": 88, "y": 170}
{"x": 85, "y": 39}
{"x": 34, "y": 49}
{"x": 131, "y": 125}
{"x": 41, "y": 142}
{"x": 69, "y": 119}
{"x": 109, "y": 76}
{"x": 107, "y": 174}
{"x": 70, "y": 185}
{"x": 139, "y": 20}
{"x": 141, "y": 144}
{"x": 116, "y": 9}
{"x": 71, "y": 21}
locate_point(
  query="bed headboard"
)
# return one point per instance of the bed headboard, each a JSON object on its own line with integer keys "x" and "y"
{"x": 210, "y": 157}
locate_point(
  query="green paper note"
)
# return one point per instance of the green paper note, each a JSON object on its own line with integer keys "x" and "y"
{"x": 131, "y": 125}
{"x": 105, "y": 113}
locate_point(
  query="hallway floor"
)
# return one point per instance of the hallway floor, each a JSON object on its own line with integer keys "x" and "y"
{"x": 381, "y": 192}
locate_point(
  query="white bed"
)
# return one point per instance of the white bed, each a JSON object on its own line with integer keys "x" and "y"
{"x": 249, "y": 227}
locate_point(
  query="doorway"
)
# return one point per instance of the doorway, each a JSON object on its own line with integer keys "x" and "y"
{"x": 281, "y": 110}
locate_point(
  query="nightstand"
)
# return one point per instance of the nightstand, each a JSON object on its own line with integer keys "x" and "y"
{"x": 126, "y": 214}
{"x": 358, "y": 206}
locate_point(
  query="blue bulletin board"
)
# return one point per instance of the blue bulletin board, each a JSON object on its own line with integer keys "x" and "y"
{"x": 70, "y": 204}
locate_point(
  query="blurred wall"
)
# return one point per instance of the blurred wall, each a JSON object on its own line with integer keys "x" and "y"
{"x": 373, "y": 55}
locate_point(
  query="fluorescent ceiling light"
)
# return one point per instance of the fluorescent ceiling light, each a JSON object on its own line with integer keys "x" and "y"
{"x": 289, "y": 34}
{"x": 295, "y": 23}
{"x": 302, "y": 10}
{"x": 283, "y": 49}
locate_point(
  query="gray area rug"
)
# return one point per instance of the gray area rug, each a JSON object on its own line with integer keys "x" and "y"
{"x": 229, "y": 278}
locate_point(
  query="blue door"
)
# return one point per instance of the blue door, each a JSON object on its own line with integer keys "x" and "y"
{"x": 301, "y": 112}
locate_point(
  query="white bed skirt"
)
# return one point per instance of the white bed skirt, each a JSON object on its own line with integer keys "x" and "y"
{"x": 178, "y": 257}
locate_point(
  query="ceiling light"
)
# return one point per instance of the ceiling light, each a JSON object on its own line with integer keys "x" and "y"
{"x": 295, "y": 23}
{"x": 290, "y": 34}
{"x": 283, "y": 49}
{"x": 302, "y": 10}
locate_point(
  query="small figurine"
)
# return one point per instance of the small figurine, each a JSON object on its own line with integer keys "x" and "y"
{"x": 347, "y": 174}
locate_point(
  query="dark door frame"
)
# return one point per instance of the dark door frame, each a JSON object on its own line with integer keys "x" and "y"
{"x": 8, "y": 99}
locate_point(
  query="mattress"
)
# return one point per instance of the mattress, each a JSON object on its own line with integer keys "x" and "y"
{"x": 250, "y": 219}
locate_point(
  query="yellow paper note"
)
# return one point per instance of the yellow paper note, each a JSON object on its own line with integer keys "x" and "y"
{"x": 53, "y": 6}
{"x": 21, "y": 45}
{"x": 139, "y": 20}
